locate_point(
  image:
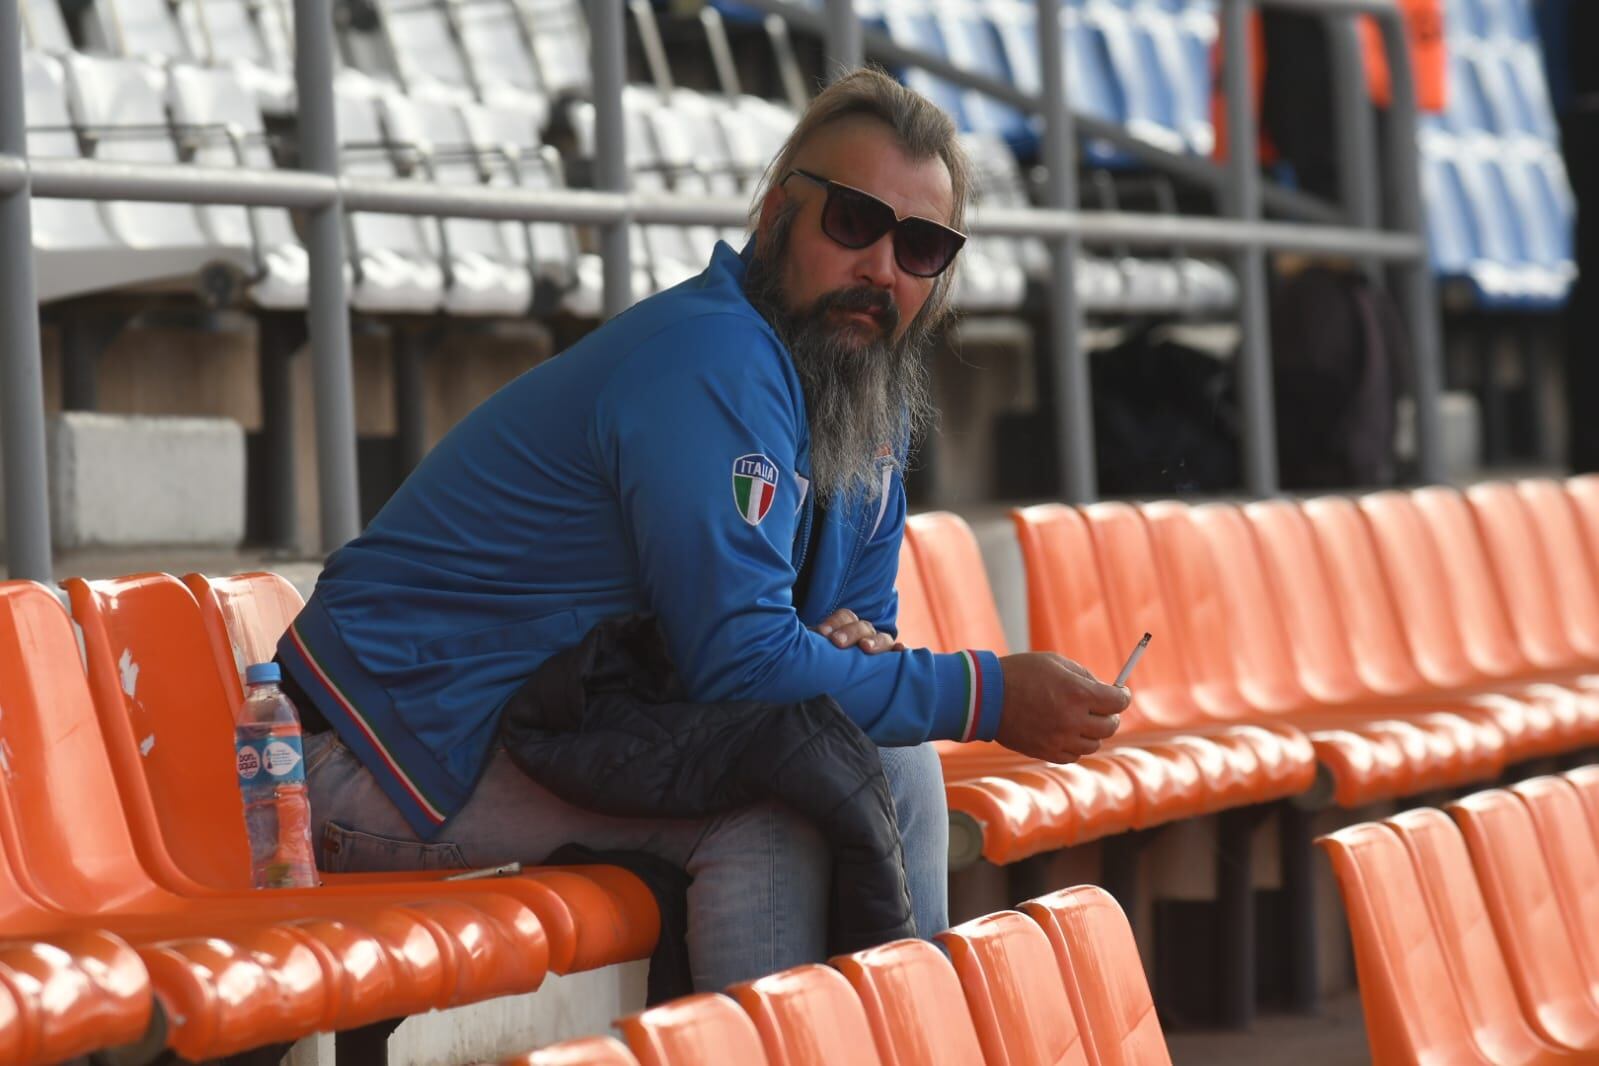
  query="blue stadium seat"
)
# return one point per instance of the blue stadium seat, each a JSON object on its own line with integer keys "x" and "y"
{"x": 974, "y": 44}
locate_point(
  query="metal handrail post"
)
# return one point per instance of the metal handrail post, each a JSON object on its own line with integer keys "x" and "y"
{"x": 845, "y": 41}
{"x": 1355, "y": 132}
{"x": 328, "y": 318}
{"x": 1417, "y": 299}
{"x": 1072, "y": 387}
{"x": 27, "y": 492}
{"x": 606, "y": 35}
{"x": 1241, "y": 197}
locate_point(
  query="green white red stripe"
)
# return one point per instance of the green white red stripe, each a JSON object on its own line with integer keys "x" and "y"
{"x": 974, "y": 695}
{"x": 328, "y": 684}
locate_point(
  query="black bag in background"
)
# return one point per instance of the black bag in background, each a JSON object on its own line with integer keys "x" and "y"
{"x": 1165, "y": 419}
{"x": 1338, "y": 351}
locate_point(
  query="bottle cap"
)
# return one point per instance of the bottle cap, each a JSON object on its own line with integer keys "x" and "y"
{"x": 263, "y": 674}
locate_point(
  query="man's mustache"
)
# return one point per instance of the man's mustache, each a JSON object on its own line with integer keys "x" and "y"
{"x": 875, "y": 302}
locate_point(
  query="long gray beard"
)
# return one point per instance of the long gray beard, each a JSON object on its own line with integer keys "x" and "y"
{"x": 867, "y": 402}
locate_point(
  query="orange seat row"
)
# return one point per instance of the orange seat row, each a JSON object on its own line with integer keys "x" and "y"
{"x": 1477, "y": 940}
{"x": 124, "y": 881}
{"x": 1393, "y": 644}
{"x": 1058, "y": 984}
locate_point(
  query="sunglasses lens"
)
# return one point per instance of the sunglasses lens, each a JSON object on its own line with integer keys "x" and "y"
{"x": 854, "y": 219}
{"x": 925, "y": 249}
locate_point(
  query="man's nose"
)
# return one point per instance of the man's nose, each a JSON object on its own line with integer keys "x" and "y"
{"x": 875, "y": 264}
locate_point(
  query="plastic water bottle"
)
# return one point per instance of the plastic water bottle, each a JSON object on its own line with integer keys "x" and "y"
{"x": 271, "y": 767}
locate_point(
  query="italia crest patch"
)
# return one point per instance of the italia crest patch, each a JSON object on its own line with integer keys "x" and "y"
{"x": 754, "y": 486}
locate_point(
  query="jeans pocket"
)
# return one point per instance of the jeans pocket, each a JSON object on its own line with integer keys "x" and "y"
{"x": 319, "y": 748}
{"x": 346, "y": 850}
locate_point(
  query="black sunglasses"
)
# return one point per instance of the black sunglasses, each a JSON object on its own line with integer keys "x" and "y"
{"x": 857, "y": 219}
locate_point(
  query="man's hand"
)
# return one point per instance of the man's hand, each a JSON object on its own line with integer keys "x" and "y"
{"x": 1054, "y": 709}
{"x": 843, "y": 628}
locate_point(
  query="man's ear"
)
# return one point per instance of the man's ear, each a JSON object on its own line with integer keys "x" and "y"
{"x": 771, "y": 204}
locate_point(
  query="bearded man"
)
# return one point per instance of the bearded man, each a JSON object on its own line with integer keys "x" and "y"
{"x": 725, "y": 456}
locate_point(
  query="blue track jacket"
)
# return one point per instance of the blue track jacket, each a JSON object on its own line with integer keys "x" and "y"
{"x": 660, "y": 464}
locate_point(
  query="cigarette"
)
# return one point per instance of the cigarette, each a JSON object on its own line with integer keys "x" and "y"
{"x": 1132, "y": 661}
{"x": 510, "y": 869}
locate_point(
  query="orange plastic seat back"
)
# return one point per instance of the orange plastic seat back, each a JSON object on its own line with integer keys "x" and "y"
{"x": 914, "y": 1004}
{"x": 585, "y": 1051}
{"x": 1413, "y": 1012}
{"x": 1471, "y": 949}
{"x": 1067, "y": 611}
{"x": 1586, "y": 781}
{"x": 1576, "y": 582}
{"x": 1104, "y": 976}
{"x": 1421, "y": 594}
{"x": 1251, "y": 629}
{"x": 1377, "y": 639}
{"x": 1314, "y": 632}
{"x": 1014, "y": 989}
{"x": 808, "y": 1016}
{"x": 169, "y": 720}
{"x": 1524, "y": 579}
{"x": 957, "y": 584}
{"x": 917, "y": 626}
{"x": 1572, "y": 850}
{"x": 1480, "y": 608}
{"x": 1583, "y": 492}
{"x": 703, "y": 1030}
{"x": 1519, "y": 888}
{"x": 245, "y": 616}
{"x": 1133, "y": 589}
{"x": 65, "y": 827}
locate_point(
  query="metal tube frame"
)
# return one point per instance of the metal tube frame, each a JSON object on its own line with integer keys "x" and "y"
{"x": 320, "y": 191}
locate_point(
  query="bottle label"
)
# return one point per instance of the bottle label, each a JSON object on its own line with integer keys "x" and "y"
{"x": 279, "y": 760}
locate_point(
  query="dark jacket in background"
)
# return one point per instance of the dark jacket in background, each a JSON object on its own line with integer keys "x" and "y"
{"x": 604, "y": 725}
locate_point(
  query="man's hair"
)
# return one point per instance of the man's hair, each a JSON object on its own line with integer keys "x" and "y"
{"x": 922, "y": 130}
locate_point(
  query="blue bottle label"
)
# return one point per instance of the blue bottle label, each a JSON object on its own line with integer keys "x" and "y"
{"x": 279, "y": 760}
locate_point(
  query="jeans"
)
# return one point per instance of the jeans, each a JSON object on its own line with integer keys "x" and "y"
{"x": 759, "y": 896}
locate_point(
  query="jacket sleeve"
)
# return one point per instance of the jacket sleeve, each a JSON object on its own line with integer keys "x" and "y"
{"x": 688, "y": 434}
{"x": 870, "y": 590}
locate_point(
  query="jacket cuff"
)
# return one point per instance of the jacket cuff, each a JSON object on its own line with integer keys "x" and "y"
{"x": 970, "y": 692}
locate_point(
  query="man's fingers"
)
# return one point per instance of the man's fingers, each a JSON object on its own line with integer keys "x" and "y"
{"x": 853, "y": 632}
{"x": 1108, "y": 699}
{"x": 837, "y": 620}
{"x": 1101, "y": 726}
{"x": 877, "y": 642}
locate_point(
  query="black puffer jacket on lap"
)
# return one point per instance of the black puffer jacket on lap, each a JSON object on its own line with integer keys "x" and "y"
{"x": 605, "y": 726}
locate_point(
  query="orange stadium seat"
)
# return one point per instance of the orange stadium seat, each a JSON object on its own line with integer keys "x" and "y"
{"x": 1572, "y": 851}
{"x": 233, "y": 974}
{"x": 1583, "y": 492}
{"x": 1460, "y": 920}
{"x": 1023, "y": 805}
{"x": 808, "y": 1016}
{"x": 588, "y": 916}
{"x": 584, "y": 1051}
{"x": 1433, "y": 560}
{"x": 1586, "y": 780}
{"x": 702, "y": 1030}
{"x": 1400, "y": 655}
{"x": 1103, "y": 974}
{"x": 604, "y": 914}
{"x": 1120, "y": 788}
{"x": 1014, "y": 990}
{"x": 1489, "y": 629}
{"x": 914, "y": 1004}
{"x": 1210, "y": 553}
{"x": 473, "y": 945}
{"x": 1413, "y": 1011}
{"x": 1519, "y": 888}
{"x": 1573, "y": 575}
{"x": 1242, "y": 763}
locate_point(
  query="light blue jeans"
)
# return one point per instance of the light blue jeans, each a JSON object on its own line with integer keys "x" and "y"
{"x": 758, "y": 901}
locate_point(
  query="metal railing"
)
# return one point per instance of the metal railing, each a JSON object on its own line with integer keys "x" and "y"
{"x": 326, "y": 196}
